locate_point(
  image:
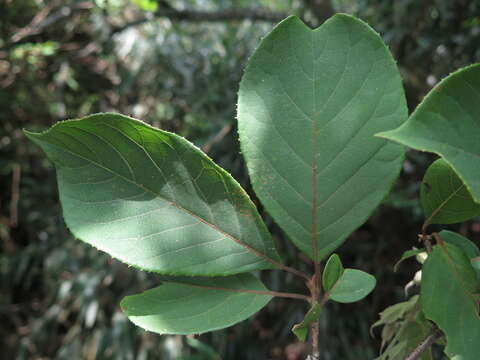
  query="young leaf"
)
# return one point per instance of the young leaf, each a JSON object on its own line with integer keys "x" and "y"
{"x": 333, "y": 270}
{"x": 449, "y": 285}
{"x": 404, "y": 327}
{"x": 447, "y": 123}
{"x": 309, "y": 104}
{"x": 153, "y": 200}
{"x": 301, "y": 329}
{"x": 352, "y": 286}
{"x": 444, "y": 197}
{"x": 187, "y": 308}
{"x": 407, "y": 254}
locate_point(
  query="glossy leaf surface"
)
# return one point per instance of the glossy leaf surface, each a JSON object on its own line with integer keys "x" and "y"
{"x": 352, "y": 286}
{"x": 152, "y": 199}
{"x": 444, "y": 197}
{"x": 449, "y": 285}
{"x": 310, "y": 102}
{"x": 332, "y": 272}
{"x": 187, "y": 308}
{"x": 447, "y": 123}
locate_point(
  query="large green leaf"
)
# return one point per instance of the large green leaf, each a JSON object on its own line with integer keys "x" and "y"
{"x": 152, "y": 199}
{"x": 310, "y": 102}
{"x": 444, "y": 197}
{"x": 449, "y": 285}
{"x": 447, "y": 122}
{"x": 352, "y": 286}
{"x": 192, "y": 307}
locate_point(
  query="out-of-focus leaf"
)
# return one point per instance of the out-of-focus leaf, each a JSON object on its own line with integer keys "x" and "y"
{"x": 153, "y": 200}
{"x": 147, "y": 5}
{"x": 449, "y": 285}
{"x": 192, "y": 307}
{"x": 444, "y": 197}
{"x": 310, "y": 102}
{"x": 447, "y": 123}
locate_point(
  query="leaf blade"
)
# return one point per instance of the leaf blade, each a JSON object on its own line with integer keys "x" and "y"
{"x": 444, "y": 197}
{"x": 301, "y": 329}
{"x": 125, "y": 185}
{"x": 333, "y": 271}
{"x": 445, "y": 123}
{"x": 289, "y": 113}
{"x": 177, "y": 308}
{"x": 447, "y": 297}
{"x": 352, "y": 286}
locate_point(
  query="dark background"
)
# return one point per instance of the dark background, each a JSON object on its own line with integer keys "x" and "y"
{"x": 177, "y": 67}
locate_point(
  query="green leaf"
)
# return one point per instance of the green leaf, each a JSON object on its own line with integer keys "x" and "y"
{"x": 147, "y": 5}
{"x": 301, "y": 329}
{"x": 309, "y": 104}
{"x": 395, "y": 312}
{"x": 449, "y": 283}
{"x": 189, "y": 308}
{"x": 444, "y": 197}
{"x": 447, "y": 123}
{"x": 153, "y": 200}
{"x": 333, "y": 270}
{"x": 404, "y": 327}
{"x": 352, "y": 286}
{"x": 468, "y": 246}
{"x": 407, "y": 254}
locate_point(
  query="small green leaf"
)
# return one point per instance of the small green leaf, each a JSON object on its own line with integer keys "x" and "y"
{"x": 352, "y": 286}
{"x": 301, "y": 329}
{"x": 333, "y": 270}
{"x": 449, "y": 285}
{"x": 407, "y": 254}
{"x": 444, "y": 197}
{"x": 153, "y": 200}
{"x": 309, "y": 104}
{"x": 192, "y": 307}
{"x": 447, "y": 123}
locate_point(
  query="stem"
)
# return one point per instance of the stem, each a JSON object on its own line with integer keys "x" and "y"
{"x": 314, "y": 331}
{"x": 291, "y": 270}
{"x": 424, "y": 345}
{"x": 257, "y": 292}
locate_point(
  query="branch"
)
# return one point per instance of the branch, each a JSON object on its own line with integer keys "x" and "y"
{"x": 45, "y": 19}
{"x": 424, "y": 345}
{"x": 254, "y": 14}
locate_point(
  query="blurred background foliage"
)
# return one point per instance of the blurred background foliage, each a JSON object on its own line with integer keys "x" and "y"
{"x": 176, "y": 64}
